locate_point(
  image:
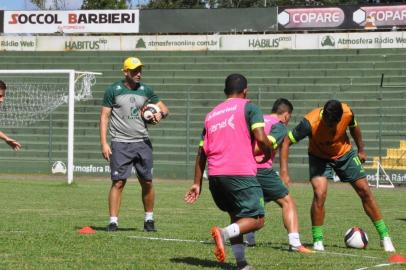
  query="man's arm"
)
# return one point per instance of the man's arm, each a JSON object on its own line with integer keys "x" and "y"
{"x": 302, "y": 130}
{"x": 283, "y": 161}
{"x": 11, "y": 142}
{"x": 200, "y": 164}
{"x": 104, "y": 121}
{"x": 357, "y": 136}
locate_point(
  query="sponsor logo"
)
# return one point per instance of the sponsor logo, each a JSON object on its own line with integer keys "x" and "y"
{"x": 58, "y": 167}
{"x": 140, "y": 44}
{"x": 383, "y": 15}
{"x": 267, "y": 42}
{"x": 311, "y": 17}
{"x": 328, "y": 41}
{"x": 84, "y": 45}
{"x": 72, "y": 18}
{"x": 223, "y": 124}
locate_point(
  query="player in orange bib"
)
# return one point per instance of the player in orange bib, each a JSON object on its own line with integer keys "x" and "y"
{"x": 330, "y": 149}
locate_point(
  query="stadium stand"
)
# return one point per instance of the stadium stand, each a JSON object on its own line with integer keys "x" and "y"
{"x": 191, "y": 83}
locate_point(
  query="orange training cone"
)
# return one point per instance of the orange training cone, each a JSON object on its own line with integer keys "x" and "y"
{"x": 397, "y": 258}
{"x": 87, "y": 230}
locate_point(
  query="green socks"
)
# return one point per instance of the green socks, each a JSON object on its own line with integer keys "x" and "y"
{"x": 317, "y": 232}
{"x": 381, "y": 228}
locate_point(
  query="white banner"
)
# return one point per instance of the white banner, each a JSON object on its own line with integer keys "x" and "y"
{"x": 205, "y": 42}
{"x": 73, "y": 21}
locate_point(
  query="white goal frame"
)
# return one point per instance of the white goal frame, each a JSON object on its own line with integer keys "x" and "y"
{"x": 380, "y": 172}
{"x": 71, "y": 105}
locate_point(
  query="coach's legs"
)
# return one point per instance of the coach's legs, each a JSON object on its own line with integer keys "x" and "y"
{"x": 148, "y": 195}
{"x": 115, "y": 195}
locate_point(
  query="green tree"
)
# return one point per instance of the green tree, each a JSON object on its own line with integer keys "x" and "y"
{"x": 105, "y": 4}
{"x": 55, "y": 4}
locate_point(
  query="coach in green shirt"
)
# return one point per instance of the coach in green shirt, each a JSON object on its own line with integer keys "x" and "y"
{"x": 130, "y": 144}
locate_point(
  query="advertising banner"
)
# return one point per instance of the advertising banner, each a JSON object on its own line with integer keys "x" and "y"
{"x": 73, "y": 21}
{"x": 312, "y": 41}
{"x": 342, "y": 17}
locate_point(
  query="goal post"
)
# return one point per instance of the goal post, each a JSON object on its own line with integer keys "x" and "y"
{"x": 48, "y": 99}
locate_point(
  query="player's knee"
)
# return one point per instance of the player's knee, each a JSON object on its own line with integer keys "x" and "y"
{"x": 260, "y": 222}
{"x": 146, "y": 185}
{"x": 320, "y": 195}
{"x": 119, "y": 184}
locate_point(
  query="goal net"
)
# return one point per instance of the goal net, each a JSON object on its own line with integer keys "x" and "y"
{"x": 33, "y": 94}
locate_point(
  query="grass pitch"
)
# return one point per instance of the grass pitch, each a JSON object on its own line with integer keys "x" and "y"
{"x": 40, "y": 219}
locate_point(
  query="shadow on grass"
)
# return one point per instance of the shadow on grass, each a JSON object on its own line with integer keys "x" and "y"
{"x": 103, "y": 229}
{"x": 203, "y": 263}
{"x": 401, "y": 219}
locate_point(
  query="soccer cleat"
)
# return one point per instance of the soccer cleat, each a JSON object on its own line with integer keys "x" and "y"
{"x": 387, "y": 245}
{"x": 318, "y": 246}
{"x": 112, "y": 227}
{"x": 149, "y": 226}
{"x": 243, "y": 265}
{"x": 219, "y": 251}
{"x": 300, "y": 249}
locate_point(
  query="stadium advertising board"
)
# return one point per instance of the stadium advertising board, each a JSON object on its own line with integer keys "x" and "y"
{"x": 73, "y": 21}
{"x": 206, "y": 42}
{"x": 381, "y": 16}
{"x": 342, "y": 17}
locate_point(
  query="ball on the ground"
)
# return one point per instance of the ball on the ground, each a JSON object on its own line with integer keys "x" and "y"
{"x": 356, "y": 238}
{"x": 148, "y": 111}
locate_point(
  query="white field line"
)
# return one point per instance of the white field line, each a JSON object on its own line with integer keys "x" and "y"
{"x": 349, "y": 255}
{"x": 211, "y": 242}
{"x": 375, "y": 266}
{"x": 170, "y": 239}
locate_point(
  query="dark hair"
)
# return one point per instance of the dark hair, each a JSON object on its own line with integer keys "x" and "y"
{"x": 332, "y": 111}
{"x": 235, "y": 84}
{"x": 3, "y": 85}
{"x": 282, "y": 105}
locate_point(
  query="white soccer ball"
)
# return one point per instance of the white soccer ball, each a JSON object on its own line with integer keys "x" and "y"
{"x": 356, "y": 238}
{"x": 148, "y": 111}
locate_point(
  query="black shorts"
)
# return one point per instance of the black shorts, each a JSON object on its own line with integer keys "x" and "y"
{"x": 126, "y": 155}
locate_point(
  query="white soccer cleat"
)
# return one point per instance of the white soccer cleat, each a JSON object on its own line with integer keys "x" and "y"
{"x": 318, "y": 246}
{"x": 387, "y": 245}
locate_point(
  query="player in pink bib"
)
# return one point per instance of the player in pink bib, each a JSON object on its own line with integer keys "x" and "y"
{"x": 230, "y": 131}
{"x": 272, "y": 186}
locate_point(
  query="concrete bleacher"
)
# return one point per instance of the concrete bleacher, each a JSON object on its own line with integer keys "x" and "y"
{"x": 190, "y": 83}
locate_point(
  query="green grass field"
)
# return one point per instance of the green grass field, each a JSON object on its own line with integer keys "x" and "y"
{"x": 40, "y": 219}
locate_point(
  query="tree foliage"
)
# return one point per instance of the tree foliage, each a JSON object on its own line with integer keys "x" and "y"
{"x": 55, "y": 4}
{"x": 254, "y": 3}
{"x": 105, "y": 4}
{"x": 176, "y": 4}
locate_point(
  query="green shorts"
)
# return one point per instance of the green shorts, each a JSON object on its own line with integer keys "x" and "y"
{"x": 348, "y": 167}
{"x": 272, "y": 185}
{"x": 241, "y": 196}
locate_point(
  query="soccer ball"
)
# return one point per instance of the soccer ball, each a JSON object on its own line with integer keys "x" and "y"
{"x": 356, "y": 238}
{"x": 148, "y": 111}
